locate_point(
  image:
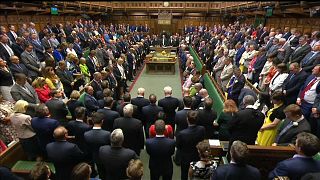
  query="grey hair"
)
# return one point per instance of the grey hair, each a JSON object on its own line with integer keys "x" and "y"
{"x": 167, "y": 90}
{"x": 141, "y": 90}
{"x": 128, "y": 110}
{"x": 116, "y": 137}
{"x": 248, "y": 100}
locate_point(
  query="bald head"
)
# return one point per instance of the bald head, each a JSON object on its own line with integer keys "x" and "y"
{"x": 60, "y": 133}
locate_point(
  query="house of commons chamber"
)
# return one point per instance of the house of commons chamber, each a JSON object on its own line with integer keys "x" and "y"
{"x": 150, "y": 90}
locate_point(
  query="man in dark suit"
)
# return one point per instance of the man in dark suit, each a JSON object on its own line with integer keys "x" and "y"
{"x": 58, "y": 109}
{"x": 308, "y": 92}
{"x": 92, "y": 66}
{"x": 115, "y": 158}
{"x": 181, "y": 116}
{"x": 169, "y": 105}
{"x": 294, "y": 124}
{"x": 132, "y": 129}
{"x": 311, "y": 59}
{"x": 63, "y": 154}
{"x": 90, "y": 102}
{"x": 238, "y": 169}
{"x": 246, "y": 123}
{"x": 78, "y": 127}
{"x": 258, "y": 65}
{"x": 140, "y": 102}
{"x": 108, "y": 114}
{"x": 43, "y": 126}
{"x": 292, "y": 84}
{"x": 17, "y": 67}
{"x": 150, "y": 113}
{"x": 160, "y": 150}
{"x": 286, "y": 33}
{"x": 206, "y": 116}
{"x": 301, "y": 50}
{"x": 66, "y": 78}
{"x": 77, "y": 48}
{"x": 18, "y": 47}
{"x": 5, "y": 49}
{"x": 95, "y": 138}
{"x": 38, "y": 47}
{"x": 236, "y": 83}
{"x": 187, "y": 140}
{"x": 307, "y": 145}
{"x": 96, "y": 84}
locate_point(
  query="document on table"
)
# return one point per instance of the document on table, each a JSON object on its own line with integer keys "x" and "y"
{"x": 214, "y": 142}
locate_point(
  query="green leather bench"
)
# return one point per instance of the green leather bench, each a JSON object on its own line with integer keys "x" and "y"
{"x": 25, "y": 167}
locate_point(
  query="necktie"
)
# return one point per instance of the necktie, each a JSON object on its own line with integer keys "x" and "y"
{"x": 18, "y": 65}
{"x": 284, "y": 130}
{"x": 293, "y": 75}
{"x": 307, "y": 88}
{"x": 309, "y": 58}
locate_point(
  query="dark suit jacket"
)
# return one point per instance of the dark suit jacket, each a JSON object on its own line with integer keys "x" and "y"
{"x": 6, "y": 174}
{"x": 4, "y": 54}
{"x": 72, "y": 105}
{"x": 38, "y": 48}
{"x": 95, "y": 138}
{"x": 18, "y": 93}
{"x": 290, "y": 135}
{"x": 309, "y": 61}
{"x": 205, "y": 119}
{"x": 44, "y": 128}
{"x": 169, "y": 105}
{"x": 236, "y": 88}
{"x": 181, "y": 120}
{"x": 160, "y": 150}
{"x": 77, "y": 48}
{"x": 245, "y": 125}
{"x": 109, "y": 117}
{"x": 187, "y": 140}
{"x": 235, "y": 171}
{"x": 149, "y": 114}
{"x": 298, "y": 55}
{"x": 91, "y": 66}
{"x": 295, "y": 168}
{"x": 64, "y": 156}
{"x": 77, "y": 129}
{"x": 90, "y": 103}
{"x": 140, "y": 102}
{"x": 97, "y": 89}
{"x": 32, "y": 63}
{"x": 15, "y": 69}
{"x": 66, "y": 79}
{"x": 58, "y": 109}
{"x": 115, "y": 161}
{"x": 292, "y": 86}
{"x": 17, "y": 49}
{"x": 133, "y": 133}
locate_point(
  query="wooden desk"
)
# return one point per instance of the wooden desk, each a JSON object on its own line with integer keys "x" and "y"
{"x": 160, "y": 67}
{"x": 265, "y": 158}
{"x": 11, "y": 155}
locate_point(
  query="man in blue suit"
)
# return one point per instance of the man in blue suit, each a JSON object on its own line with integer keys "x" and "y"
{"x": 43, "y": 126}
{"x": 90, "y": 102}
{"x": 237, "y": 169}
{"x": 109, "y": 114}
{"x": 240, "y": 50}
{"x": 95, "y": 138}
{"x": 160, "y": 150}
{"x": 307, "y": 145}
{"x": 63, "y": 154}
{"x": 150, "y": 113}
{"x": 187, "y": 141}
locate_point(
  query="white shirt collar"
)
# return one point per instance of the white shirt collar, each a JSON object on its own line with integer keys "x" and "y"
{"x": 107, "y": 108}
{"x": 250, "y": 106}
{"x": 96, "y": 127}
{"x": 79, "y": 120}
{"x": 140, "y": 96}
{"x": 160, "y": 136}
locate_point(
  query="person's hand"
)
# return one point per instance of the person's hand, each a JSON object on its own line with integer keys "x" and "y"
{"x": 314, "y": 110}
{"x": 299, "y": 102}
{"x": 72, "y": 84}
{"x": 274, "y": 144}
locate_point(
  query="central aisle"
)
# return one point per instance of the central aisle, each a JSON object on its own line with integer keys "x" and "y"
{"x": 155, "y": 84}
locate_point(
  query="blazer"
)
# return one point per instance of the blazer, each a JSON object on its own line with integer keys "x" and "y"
{"x": 309, "y": 61}
{"x": 17, "y": 49}
{"x": 205, "y": 118}
{"x": 236, "y": 171}
{"x": 77, "y": 129}
{"x": 295, "y": 168}
{"x": 95, "y": 138}
{"x": 4, "y": 53}
{"x": 92, "y": 67}
{"x": 245, "y": 125}
{"x": 187, "y": 140}
{"x": 72, "y": 105}
{"x": 90, "y": 103}
{"x": 149, "y": 114}
{"x": 181, "y": 120}
{"x": 6, "y": 77}
{"x": 299, "y": 54}
{"x": 44, "y": 127}
{"x": 140, "y": 102}
{"x": 169, "y": 105}
{"x": 160, "y": 150}
{"x": 65, "y": 156}
{"x": 16, "y": 69}
{"x": 17, "y": 93}
{"x": 97, "y": 89}
{"x": 133, "y": 133}
{"x": 235, "y": 90}
{"x": 108, "y": 119}
{"x": 66, "y": 79}
{"x": 58, "y": 109}
{"x": 290, "y": 135}
{"x": 31, "y": 62}
{"x": 38, "y": 49}
{"x": 77, "y": 48}
{"x": 115, "y": 161}
{"x": 292, "y": 86}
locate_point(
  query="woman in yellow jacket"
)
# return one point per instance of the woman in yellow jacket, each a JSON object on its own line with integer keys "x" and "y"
{"x": 268, "y": 131}
{"x": 52, "y": 79}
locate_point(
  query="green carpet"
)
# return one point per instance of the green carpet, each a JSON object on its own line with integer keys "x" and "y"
{"x": 154, "y": 84}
